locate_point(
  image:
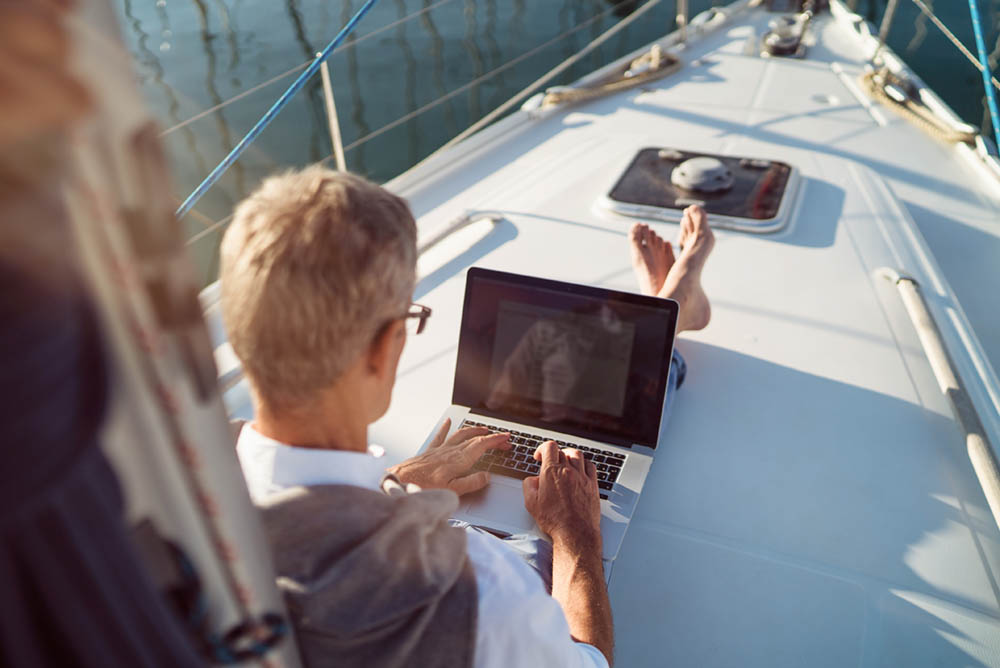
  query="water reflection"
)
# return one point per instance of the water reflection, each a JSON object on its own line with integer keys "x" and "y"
{"x": 445, "y": 46}
{"x": 409, "y": 79}
{"x": 489, "y": 37}
{"x": 211, "y": 74}
{"x": 358, "y": 161}
{"x": 314, "y": 88}
{"x": 150, "y": 62}
{"x": 437, "y": 58}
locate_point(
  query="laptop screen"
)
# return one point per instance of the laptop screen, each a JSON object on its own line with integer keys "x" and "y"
{"x": 576, "y": 359}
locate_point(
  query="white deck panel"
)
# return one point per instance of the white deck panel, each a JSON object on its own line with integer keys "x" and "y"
{"x": 811, "y": 503}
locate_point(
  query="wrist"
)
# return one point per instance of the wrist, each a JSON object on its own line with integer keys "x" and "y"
{"x": 400, "y": 472}
{"x": 581, "y": 542}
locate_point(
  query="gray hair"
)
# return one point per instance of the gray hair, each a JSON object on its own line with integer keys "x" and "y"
{"x": 314, "y": 263}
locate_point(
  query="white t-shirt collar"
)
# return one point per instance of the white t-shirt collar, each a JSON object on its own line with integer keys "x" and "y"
{"x": 270, "y": 466}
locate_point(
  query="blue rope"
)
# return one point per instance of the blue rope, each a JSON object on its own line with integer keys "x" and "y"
{"x": 991, "y": 97}
{"x": 275, "y": 109}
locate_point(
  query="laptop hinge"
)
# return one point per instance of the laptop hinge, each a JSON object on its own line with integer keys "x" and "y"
{"x": 603, "y": 438}
{"x": 610, "y": 440}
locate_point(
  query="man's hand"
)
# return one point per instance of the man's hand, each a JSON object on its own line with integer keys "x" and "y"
{"x": 565, "y": 502}
{"x": 448, "y": 464}
{"x": 564, "y": 499}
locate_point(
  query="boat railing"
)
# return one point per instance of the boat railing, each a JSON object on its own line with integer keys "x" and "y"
{"x": 338, "y": 149}
{"x": 319, "y": 64}
{"x": 981, "y": 454}
{"x": 980, "y": 62}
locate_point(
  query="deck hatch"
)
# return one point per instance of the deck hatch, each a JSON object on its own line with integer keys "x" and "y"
{"x": 755, "y": 197}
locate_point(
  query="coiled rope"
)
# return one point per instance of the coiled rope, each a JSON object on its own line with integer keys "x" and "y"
{"x": 650, "y": 66}
{"x": 912, "y": 109}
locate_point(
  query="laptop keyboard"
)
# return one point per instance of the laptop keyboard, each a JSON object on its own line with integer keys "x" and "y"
{"x": 519, "y": 461}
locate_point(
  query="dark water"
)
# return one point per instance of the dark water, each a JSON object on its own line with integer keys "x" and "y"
{"x": 193, "y": 55}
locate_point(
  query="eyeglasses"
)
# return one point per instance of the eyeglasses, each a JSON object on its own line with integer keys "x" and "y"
{"x": 416, "y": 318}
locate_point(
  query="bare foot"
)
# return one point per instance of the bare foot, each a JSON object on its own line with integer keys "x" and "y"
{"x": 652, "y": 258}
{"x": 683, "y": 281}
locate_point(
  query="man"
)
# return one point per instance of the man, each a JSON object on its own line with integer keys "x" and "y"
{"x": 317, "y": 273}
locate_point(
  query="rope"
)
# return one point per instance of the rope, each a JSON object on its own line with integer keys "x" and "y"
{"x": 215, "y": 226}
{"x": 275, "y": 109}
{"x": 873, "y": 83}
{"x": 658, "y": 64}
{"x": 202, "y": 218}
{"x": 478, "y": 80}
{"x": 991, "y": 97}
{"x": 955, "y": 40}
{"x": 298, "y": 68}
{"x": 558, "y": 69}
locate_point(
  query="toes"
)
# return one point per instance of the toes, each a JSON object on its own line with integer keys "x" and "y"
{"x": 688, "y": 225}
{"x": 696, "y": 216}
{"x": 654, "y": 237}
{"x": 635, "y": 234}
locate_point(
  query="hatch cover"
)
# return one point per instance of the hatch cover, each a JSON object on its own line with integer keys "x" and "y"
{"x": 752, "y": 194}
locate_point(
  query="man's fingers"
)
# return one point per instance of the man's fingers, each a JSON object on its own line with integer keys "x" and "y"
{"x": 530, "y": 488}
{"x": 576, "y": 460}
{"x": 474, "y": 448}
{"x": 591, "y": 471}
{"x": 442, "y": 431}
{"x": 548, "y": 454}
{"x": 466, "y": 433}
{"x": 469, "y": 483}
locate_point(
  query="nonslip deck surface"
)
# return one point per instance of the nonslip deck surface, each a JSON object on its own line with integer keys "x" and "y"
{"x": 811, "y": 503}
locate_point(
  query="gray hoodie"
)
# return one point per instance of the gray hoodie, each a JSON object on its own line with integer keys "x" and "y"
{"x": 374, "y": 579}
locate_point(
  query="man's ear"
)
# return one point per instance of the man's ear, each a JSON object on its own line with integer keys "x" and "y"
{"x": 383, "y": 352}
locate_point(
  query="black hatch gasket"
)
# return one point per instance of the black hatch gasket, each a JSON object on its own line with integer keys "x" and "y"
{"x": 756, "y": 194}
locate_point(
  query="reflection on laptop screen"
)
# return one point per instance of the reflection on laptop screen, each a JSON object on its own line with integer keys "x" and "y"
{"x": 580, "y": 360}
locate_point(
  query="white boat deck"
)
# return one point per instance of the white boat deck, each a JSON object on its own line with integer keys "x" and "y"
{"x": 811, "y": 502}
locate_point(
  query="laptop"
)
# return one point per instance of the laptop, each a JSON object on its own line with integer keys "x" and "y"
{"x": 546, "y": 360}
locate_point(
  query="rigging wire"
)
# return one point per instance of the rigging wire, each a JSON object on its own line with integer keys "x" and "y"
{"x": 430, "y": 105}
{"x": 555, "y": 71}
{"x": 477, "y": 80}
{"x": 299, "y": 68}
{"x": 275, "y": 109}
{"x": 235, "y": 98}
{"x": 209, "y": 229}
{"x": 991, "y": 98}
{"x": 195, "y": 238}
{"x": 955, "y": 40}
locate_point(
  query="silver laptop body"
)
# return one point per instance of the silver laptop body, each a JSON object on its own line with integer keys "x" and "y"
{"x": 546, "y": 360}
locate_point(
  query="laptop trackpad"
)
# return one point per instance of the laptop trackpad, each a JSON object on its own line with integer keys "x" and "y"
{"x": 500, "y": 505}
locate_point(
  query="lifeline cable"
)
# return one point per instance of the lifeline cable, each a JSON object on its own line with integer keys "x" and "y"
{"x": 275, "y": 109}
{"x": 991, "y": 97}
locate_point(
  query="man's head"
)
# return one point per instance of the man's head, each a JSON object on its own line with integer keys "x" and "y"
{"x": 318, "y": 268}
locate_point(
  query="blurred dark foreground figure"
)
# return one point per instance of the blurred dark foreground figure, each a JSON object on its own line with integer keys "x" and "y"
{"x": 72, "y": 590}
